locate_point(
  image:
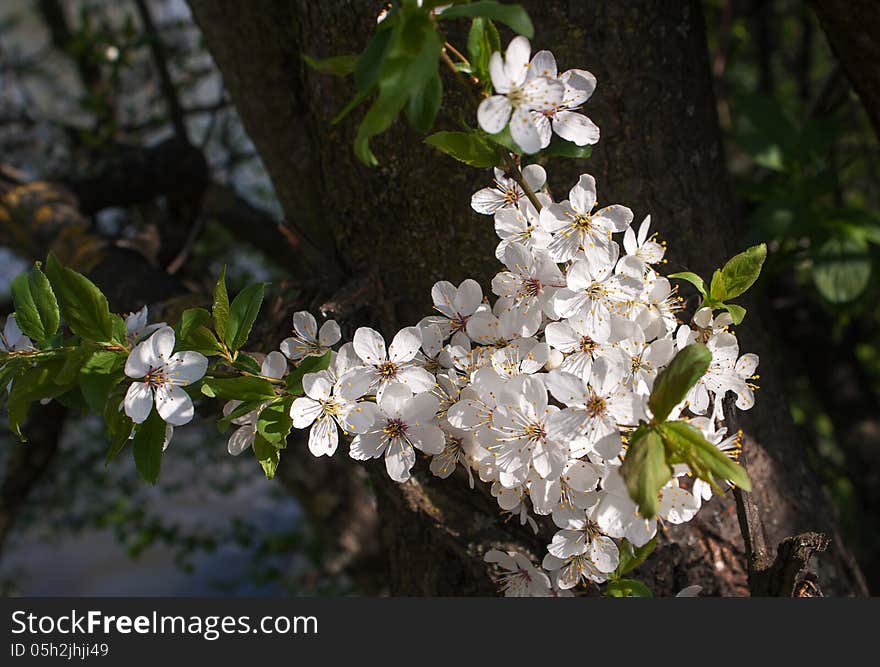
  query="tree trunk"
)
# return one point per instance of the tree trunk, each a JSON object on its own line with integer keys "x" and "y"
{"x": 853, "y": 30}
{"x": 408, "y": 223}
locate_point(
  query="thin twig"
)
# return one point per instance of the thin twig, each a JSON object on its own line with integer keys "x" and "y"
{"x": 458, "y": 54}
{"x": 516, "y": 174}
{"x": 169, "y": 92}
{"x": 468, "y": 88}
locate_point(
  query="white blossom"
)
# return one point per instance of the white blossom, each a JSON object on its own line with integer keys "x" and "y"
{"x": 507, "y": 194}
{"x": 404, "y": 422}
{"x": 307, "y": 339}
{"x": 562, "y": 118}
{"x": 322, "y": 410}
{"x": 383, "y": 368}
{"x": 162, "y": 374}
{"x": 518, "y": 95}
{"x": 575, "y": 226}
{"x": 521, "y": 579}
{"x": 137, "y": 326}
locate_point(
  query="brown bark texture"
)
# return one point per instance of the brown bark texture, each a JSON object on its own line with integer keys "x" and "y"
{"x": 408, "y": 223}
{"x": 853, "y": 30}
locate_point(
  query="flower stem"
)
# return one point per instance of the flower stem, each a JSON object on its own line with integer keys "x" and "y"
{"x": 516, "y": 174}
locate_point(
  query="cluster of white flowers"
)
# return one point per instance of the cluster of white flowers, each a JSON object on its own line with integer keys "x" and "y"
{"x": 535, "y": 393}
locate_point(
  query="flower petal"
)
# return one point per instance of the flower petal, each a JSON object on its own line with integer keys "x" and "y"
{"x": 304, "y": 411}
{"x": 370, "y": 346}
{"x": 360, "y": 417}
{"x": 516, "y": 59}
{"x": 329, "y": 334}
{"x": 355, "y": 383}
{"x": 323, "y": 437}
{"x": 274, "y": 365}
{"x": 576, "y": 128}
{"x": 138, "y": 402}
{"x": 305, "y": 325}
{"x": 428, "y": 438}
{"x": 405, "y": 345}
{"x": 141, "y": 360}
{"x": 163, "y": 343}
{"x": 186, "y": 367}
{"x": 493, "y": 113}
{"x": 583, "y": 195}
{"x": 524, "y": 132}
{"x": 174, "y": 405}
{"x": 543, "y": 64}
{"x": 468, "y": 297}
{"x": 400, "y": 457}
{"x": 317, "y": 385}
{"x": 241, "y": 439}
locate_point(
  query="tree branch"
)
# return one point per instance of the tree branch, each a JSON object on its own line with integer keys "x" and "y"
{"x": 169, "y": 91}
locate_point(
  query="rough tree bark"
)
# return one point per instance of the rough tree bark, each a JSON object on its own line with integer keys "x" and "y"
{"x": 407, "y": 224}
{"x": 853, "y": 30}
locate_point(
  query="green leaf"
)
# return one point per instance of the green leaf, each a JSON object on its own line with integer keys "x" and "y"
{"x": 704, "y": 459}
{"x": 842, "y": 269}
{"x": 569, "y": 149}
{"x": 149, "y": 439}
{"x": 739, "y": 273}
{"x": 716, "y": 287}
{"x": 737, "y": 313}
{"x": 403, "y": 73}
{"x": 674, "y": 381}
{"x": 244, "y": 388}
{"x": 81, "y": 303}
{"x": 371, "y": 59}
{"x": 693, "y": 279}
{"x": 274, "y": 422}
{"x": 465, "y": 147}
{"x": 192, "y": 318}
{"x": 120, "y": 434}
{"x": 100, "y": 373}
{"x": 221, "y": 306}
{"x": 119, "y": 425}
{"x": 478, "y": 47}
{"x": 368, "y": 66}
{"x": 335, "y": 65}
{"x": 242, "y": 315}
{"x": 627, "y": 588}
{"x": 267, "y": 455}
{"x": 120, "y": 335}
{"x": 513, "y": 16}
{"x": 246, "y": 362}
{"x": 645, "y": 469}
{"x": 36, "y": 309}
{"x": 10, "y": 368}
{"x": 424, "y": 104}
{"x": 631, "y": 557}
{"x": 308, "y": 365}
{"x": 201, "y": 340}
{"x": 73, "y": 361}
{"x": 193, "y": 333}
{"x": 35, "y": 383}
